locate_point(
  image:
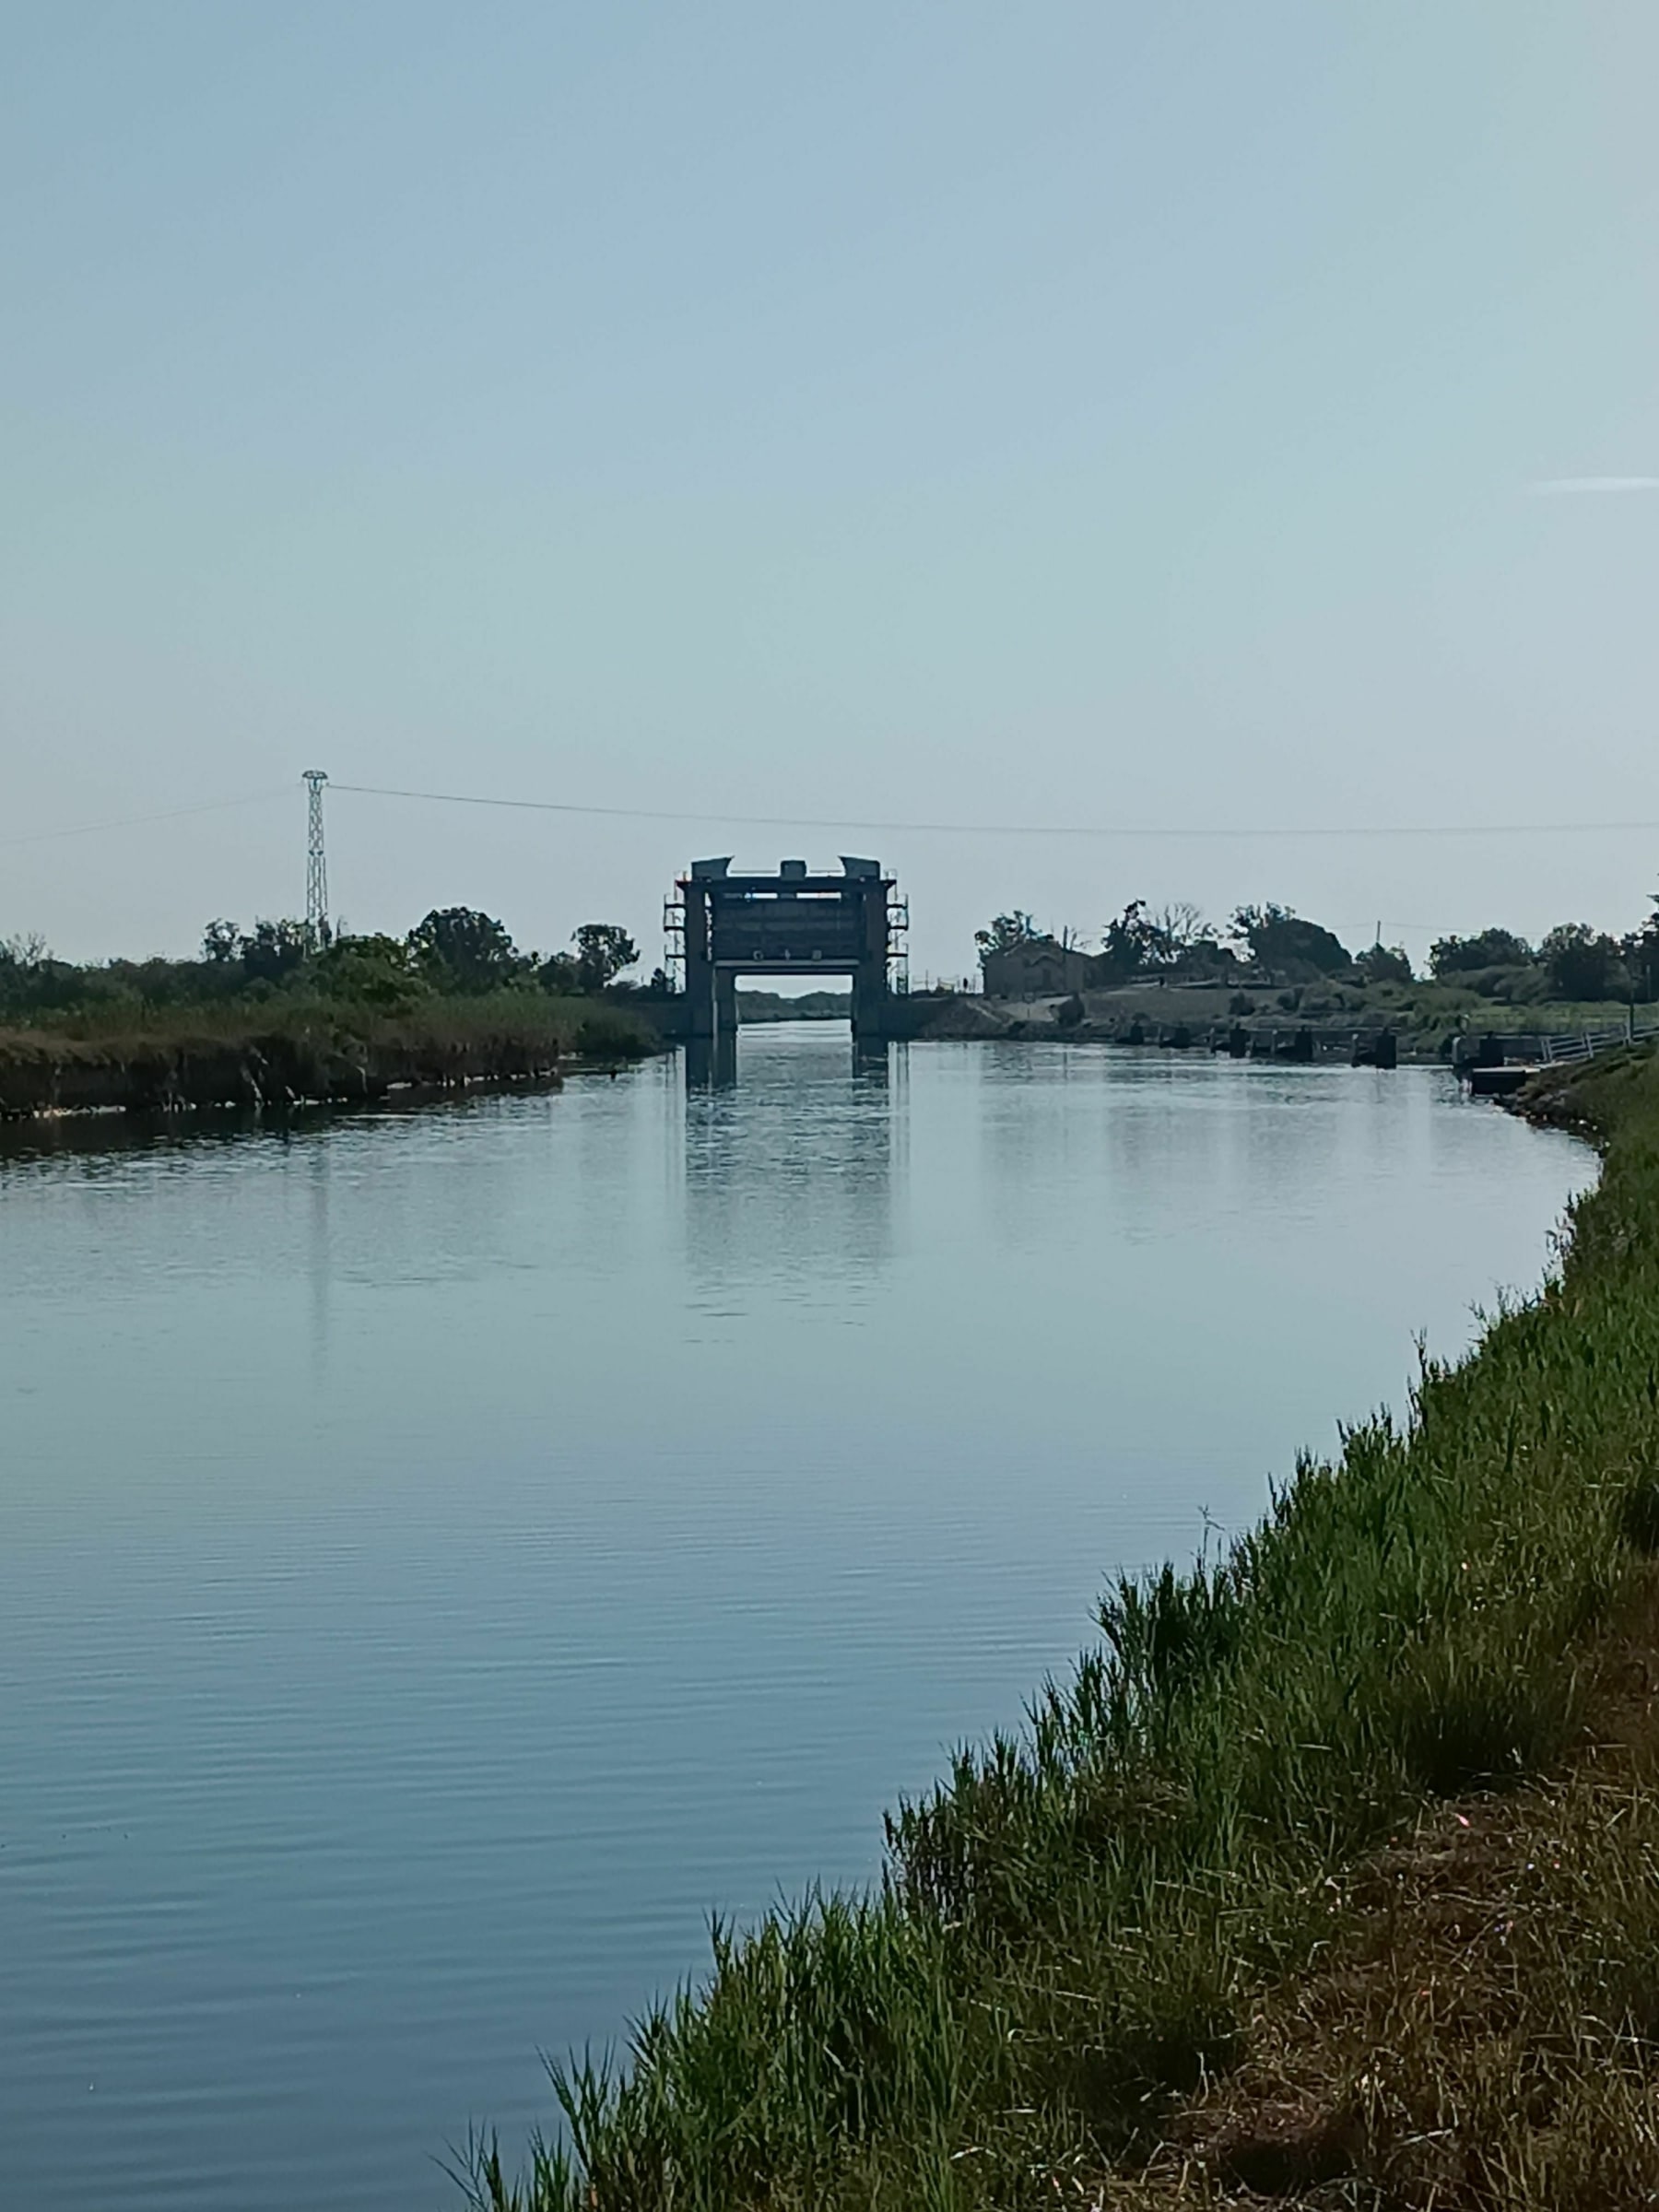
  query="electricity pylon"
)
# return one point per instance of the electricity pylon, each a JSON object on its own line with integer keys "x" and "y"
{"x": 316, "y": 861}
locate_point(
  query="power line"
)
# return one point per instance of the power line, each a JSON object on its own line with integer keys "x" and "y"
{"x": 1135, "y": 831}
{"x": 798, "y": 821}
{"x": 135, "y": 821}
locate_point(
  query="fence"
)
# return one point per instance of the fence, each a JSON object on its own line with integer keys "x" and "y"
{"x": 1585, "y": 1044}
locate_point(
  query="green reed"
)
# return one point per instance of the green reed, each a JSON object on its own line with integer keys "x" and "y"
{"x": 1071, "y": 1924}
{"x": 521, "y": 1019}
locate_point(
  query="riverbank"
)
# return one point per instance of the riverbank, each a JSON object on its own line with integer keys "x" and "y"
{"x": 291, "y": 1052}
{"x": 811, "y": 1006}
{"x": 1263, "y": 1797}
{"x": 1423, "y": 1019}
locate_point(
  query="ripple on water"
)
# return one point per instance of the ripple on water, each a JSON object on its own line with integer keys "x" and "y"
{"x": 442, "y": 1556}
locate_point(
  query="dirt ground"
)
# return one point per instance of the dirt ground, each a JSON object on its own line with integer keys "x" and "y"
{"x": 1482, "y": 2031}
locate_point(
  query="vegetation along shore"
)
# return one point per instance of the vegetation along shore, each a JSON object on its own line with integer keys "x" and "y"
{"x": 268, "y": 1017}
{"x": 1170, "y": 977}
{"x": 1331, "y": 1874}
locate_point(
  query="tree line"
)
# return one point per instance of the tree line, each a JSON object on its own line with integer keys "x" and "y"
{"x": 454, "y": 951}
{"x": 1572, "y": 961}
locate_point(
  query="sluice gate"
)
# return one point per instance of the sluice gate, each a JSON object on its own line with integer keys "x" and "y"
{"x": 725, "y": 927}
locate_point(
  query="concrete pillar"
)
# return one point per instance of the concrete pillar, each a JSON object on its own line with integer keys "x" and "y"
{"x": 700, "y": 970}
{"x": 710, "y": 1063}
{"x": 870, "y": 979}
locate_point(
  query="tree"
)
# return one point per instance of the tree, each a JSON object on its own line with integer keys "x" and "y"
{"x": 1487, "y": 948}
{"x": 273, "y": 951}
{"x": 1007, "y": 932}
{"x": 1581, "y": 963}
{"x": 458, "y": 948}
{"x": 369, "y": 972}
{"x": 602, "y": 952}
{"x": 27, "y": 972}
{"x": 28, "y": 949}
{"x": 1383, "y": 963}
{"x": 1130, "y": 943}
{"x": 557, "y": 975}
{"x": 1182, "y": 930}
{"x": 221, "y": 944}
{"x": 1277, "y": 937}
{"x": 1183, "y": 942}
{"x": 1641, "y": 952}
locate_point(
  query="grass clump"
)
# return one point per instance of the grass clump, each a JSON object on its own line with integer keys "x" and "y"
{"x": 1075, "y": 1930}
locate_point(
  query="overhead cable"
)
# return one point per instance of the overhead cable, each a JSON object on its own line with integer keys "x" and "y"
{"x": 135, "y": 821}
{"x": 1136, "y": 831}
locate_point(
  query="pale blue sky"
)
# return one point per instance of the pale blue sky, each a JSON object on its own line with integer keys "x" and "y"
{"x": 1061, "y": 414}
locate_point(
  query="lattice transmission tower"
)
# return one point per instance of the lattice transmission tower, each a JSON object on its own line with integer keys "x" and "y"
{"x": 316, "y": 860}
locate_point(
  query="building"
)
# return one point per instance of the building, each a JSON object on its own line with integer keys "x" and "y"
{"x": 1041, "y": 968}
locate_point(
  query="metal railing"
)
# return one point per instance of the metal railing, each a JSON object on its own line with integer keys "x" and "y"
{"x": 1584, "y": 1044}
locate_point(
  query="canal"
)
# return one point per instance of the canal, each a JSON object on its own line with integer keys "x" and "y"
{"x": 445, "y": 1555}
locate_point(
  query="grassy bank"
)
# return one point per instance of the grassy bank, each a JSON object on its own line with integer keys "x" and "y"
{"x": 294, "y": 1047}
{"x": 1084, "y": 1930}
{"x": 1425, "y": 1016}
{"x": 569, "y": 1025}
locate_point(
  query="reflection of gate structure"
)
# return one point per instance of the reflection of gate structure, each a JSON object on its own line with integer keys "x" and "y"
{"x": 790, "y": 923}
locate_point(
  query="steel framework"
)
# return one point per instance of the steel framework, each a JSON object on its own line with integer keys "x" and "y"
{"x": 720, "y": 926}
{"x": 316, "y": 860}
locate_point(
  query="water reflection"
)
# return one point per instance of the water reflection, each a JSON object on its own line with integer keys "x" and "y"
{"x": 713, "y": 1062}
{"x": 446, "y": 1553}
{"x": 710, "y": 1063}
{"x": 320, "y": 1261}
{"x": 791, "y": 1180}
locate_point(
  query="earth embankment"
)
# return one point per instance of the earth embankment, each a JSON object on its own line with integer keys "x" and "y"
{"x": 312, "y": 1055}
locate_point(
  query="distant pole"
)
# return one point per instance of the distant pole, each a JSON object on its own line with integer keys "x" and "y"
{"x": 316, "y": 860}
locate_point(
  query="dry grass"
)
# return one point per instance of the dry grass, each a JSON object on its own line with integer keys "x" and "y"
{"x": 1477, "y": 2031}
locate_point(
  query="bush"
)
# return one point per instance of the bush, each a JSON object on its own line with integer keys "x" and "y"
{"x": 1514, "y": 986}
{"x": 1280, "y": 940}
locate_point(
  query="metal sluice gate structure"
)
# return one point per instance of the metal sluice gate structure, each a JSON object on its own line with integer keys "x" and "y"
{"x": 721, "y": 928}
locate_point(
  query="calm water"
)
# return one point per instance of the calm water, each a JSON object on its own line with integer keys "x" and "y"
{"x": 445, "y": 1554}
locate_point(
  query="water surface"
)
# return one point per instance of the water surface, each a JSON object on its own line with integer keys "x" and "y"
{"x": 442, "y": 1556}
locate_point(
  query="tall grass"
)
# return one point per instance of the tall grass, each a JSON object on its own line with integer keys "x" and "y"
{"x": 1070, "y": 1927}
{"x": 524, "y": 1018}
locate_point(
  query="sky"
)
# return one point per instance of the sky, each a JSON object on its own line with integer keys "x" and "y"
{"x": 1224, "y": 429}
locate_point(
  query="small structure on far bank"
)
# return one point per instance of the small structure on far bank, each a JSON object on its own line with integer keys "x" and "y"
{"x": 1039, "y": 967}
